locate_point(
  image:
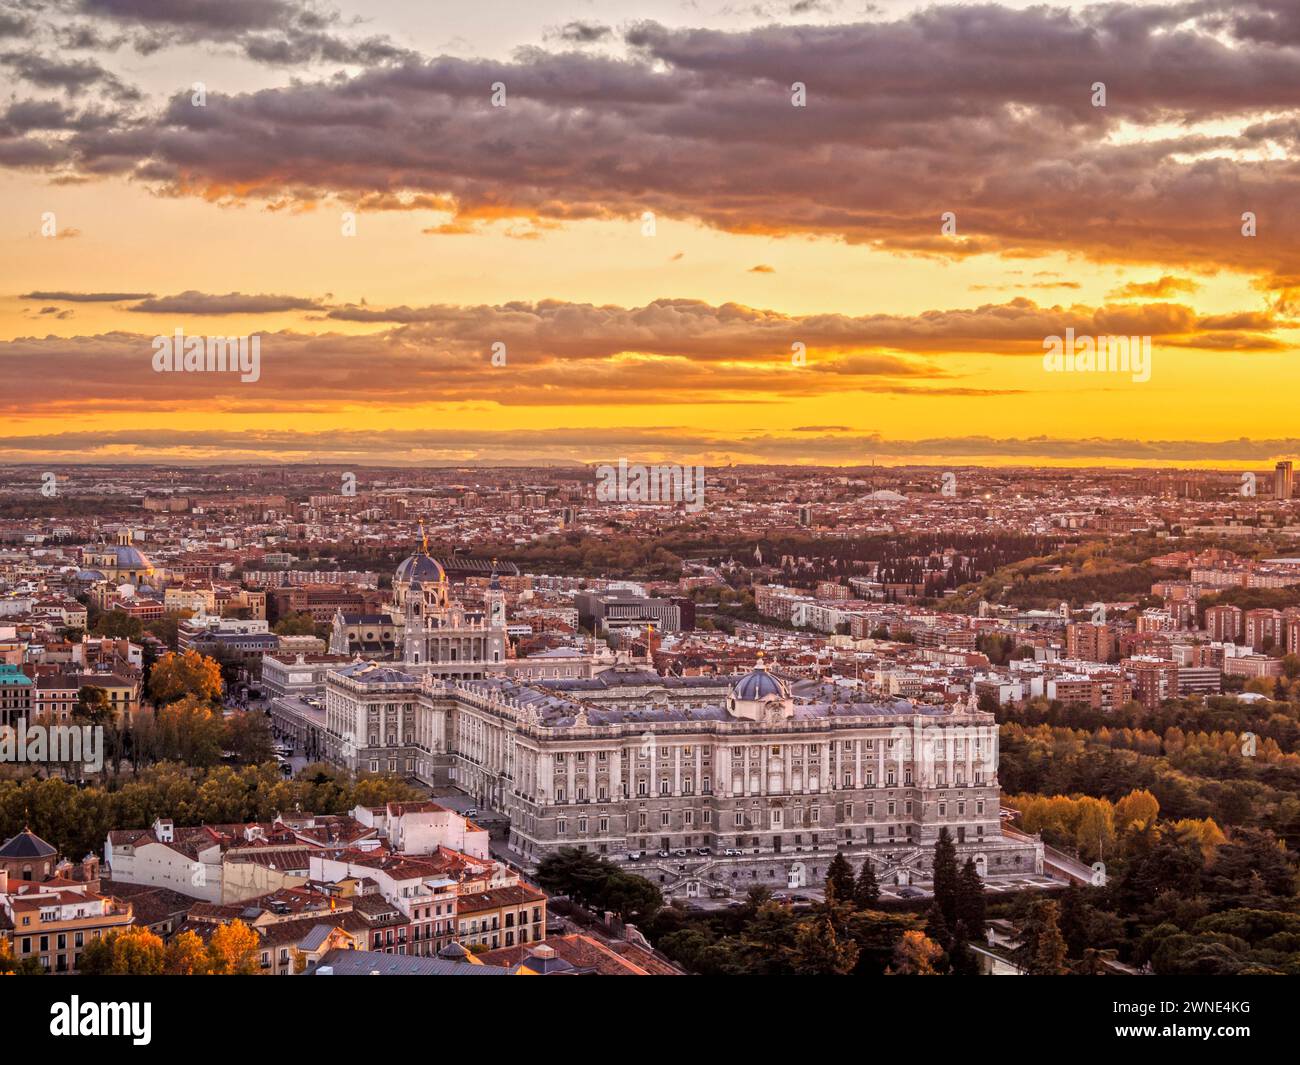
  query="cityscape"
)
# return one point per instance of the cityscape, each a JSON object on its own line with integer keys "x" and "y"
{"x": 795, "y": 489}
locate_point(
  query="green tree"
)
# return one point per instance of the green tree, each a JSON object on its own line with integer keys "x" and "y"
{"x": 1040, "y": 948}
{"x": 93, "y": 705}
{"x": 866, "y": 892}
{"x": 946, "y": 876}
{"x": 839, "y": 877}
{"x": 971, "y": 907}
{"x": 296, "y": 625}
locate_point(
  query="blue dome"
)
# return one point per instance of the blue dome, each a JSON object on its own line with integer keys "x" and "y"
{"x": 130, "y": 557}
{"x": 759, "y": 684}
{"x": 421, "y": 568}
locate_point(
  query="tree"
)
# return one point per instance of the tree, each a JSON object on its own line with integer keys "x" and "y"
{"x": 117, "y": 624}
{"x": 186, "y": 955}
{"x": 598, "y": 884}
{"x": 186, "y": 730}
{"x": 248, "y": 737}
{"x": 915, "y": 955}
{"x": 233, "y": 950}
{"x": 970, "y": 906}
{"x": 97, "y": 958}
{"x": 1040, "y": 948}
{"x": 961, "y": 959}
{"x": 819, "y": 951}
{"x": 936, "y": 925}
{"x": 93, "y": 705}
{"x": 1136, "y": 809}
{"x": 945, "y": 876}
{"x": 839, "y": 877}
{"x": 1093, "y": 962}
{"x": 136, "y": 951}
{"x": 301, "y": 624}
{"x": 866, "y": 892}
{"x": 176, "y": 675}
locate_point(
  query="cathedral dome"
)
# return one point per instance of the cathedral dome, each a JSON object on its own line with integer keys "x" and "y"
{"x": 759, "y": 684}
{"x": 421, "y": 568}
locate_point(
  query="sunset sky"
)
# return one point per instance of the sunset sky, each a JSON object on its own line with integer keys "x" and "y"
{"x": 772, "y": 226}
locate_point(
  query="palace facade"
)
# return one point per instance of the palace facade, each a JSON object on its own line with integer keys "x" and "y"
{"x": 715, "y": 783}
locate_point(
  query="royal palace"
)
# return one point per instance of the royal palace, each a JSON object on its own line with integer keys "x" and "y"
{"x": 714, "y": 782}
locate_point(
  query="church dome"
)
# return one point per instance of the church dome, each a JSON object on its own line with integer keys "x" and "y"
{"x": 759, "y": 684}
{"x": 421, "y": 568}
{"x": 124, "y": 556}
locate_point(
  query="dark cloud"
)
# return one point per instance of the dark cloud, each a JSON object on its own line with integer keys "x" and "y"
{"x": 86, "y": 297}
{"x": 15, "y": 23}
{"x": 70, "y": 75}
{"x": 578, "y": 32}
{"x": 980, "y": 110}
{"x": 276, "y": 32}
{"x": 192, "y": 302}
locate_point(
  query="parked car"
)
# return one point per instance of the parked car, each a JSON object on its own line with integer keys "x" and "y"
{"x": 635, "y": 856}
{"x": 910, "y": 893}
{"x": 664, "y": 854}
{"x": 681, "y": 853}
{"x": 704, "y": 850}
{"x": 731, "y": 852}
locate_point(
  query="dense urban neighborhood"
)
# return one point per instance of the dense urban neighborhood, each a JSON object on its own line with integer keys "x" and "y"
{"x": 842, "y": 722}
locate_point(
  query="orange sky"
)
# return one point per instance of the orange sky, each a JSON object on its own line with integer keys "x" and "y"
{"x": 675, "y": 343}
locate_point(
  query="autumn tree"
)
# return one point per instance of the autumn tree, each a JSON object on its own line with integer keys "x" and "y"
{"x": 176, "y": 675}
{"x": 186, "y": 955}
{"x": 1136, "y": 809}
{"x": 233, "y": 950}
{"x": 915, "y": 954}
